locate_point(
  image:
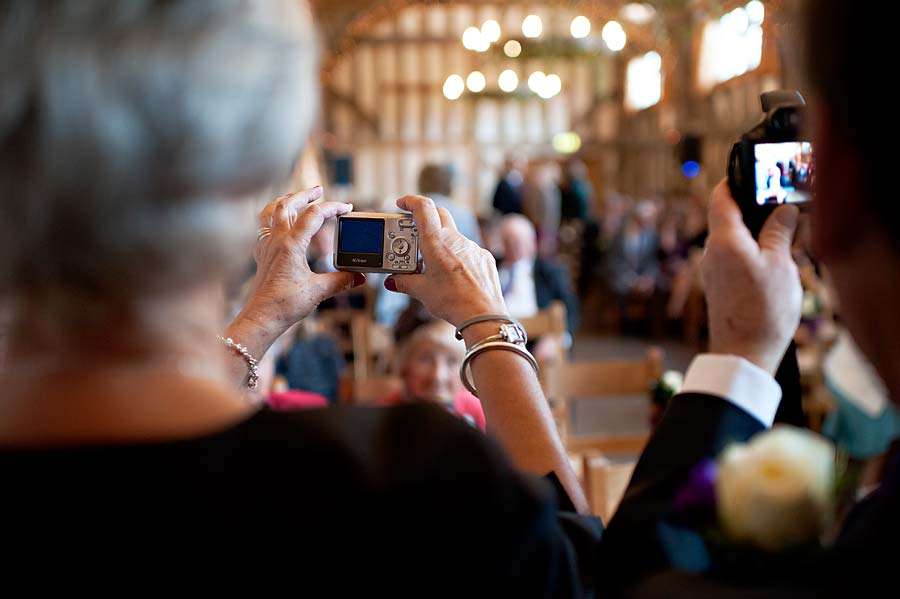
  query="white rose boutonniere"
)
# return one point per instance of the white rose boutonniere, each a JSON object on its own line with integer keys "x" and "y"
{"x": 778, "y": 491}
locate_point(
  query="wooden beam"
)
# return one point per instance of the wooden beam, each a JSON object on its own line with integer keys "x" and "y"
{"x": 333, "y": 95}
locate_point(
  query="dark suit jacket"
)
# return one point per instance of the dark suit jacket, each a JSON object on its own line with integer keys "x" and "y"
{"x": 507, "y": 199}
{"x": 551, "y": 283}
{"x": 640, "y": 550}
{"x": 645, "y": 261}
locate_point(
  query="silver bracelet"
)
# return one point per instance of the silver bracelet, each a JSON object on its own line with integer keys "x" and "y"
{"x": 486, "y": 345}
{"x": 252, "y": 364}
{"x": 487, "y": 318}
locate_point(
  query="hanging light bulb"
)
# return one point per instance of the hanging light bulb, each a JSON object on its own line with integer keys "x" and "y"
{"x": 490, "y": 31}
{"x": 581, "y": 27}
{"x": 471, "y": 38}
{"x": 512, "y": 48}
{"x": 476, "y": 81}
{"x": 532, "y": 26}
{"x": 550, "y": 86}
{"x": 454, "y": 87}
{"x": 508, "y": 81}
{"x": 614, "y": 36}
{"x": 536, "y": 81}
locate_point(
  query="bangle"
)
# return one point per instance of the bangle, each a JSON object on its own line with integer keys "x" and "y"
{"x": 487, "y": 345}
{"x": 487, "y": 318}
{"x": 252, "y": 364}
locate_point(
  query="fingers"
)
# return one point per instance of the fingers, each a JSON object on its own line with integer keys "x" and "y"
{"x": 312, "y": 219}
{"x": 331, "y": 283}
{"x": 446, "y": 219}
{"x": 408, "y": 284}
{"x": 426, "y": 215}
{"x": 777, "y": 234}
{"x": 724, "y": 213}
{"x": 295, "y": 202}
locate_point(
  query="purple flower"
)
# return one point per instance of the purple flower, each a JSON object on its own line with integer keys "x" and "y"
{"x": 699, "y": 492}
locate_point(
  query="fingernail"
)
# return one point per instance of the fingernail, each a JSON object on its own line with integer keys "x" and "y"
{"x": 359, "y": 279}
{"x": 390, "y": 284}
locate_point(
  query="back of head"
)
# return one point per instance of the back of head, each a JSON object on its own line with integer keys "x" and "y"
{"x": 844, "y": 44}
{"x": 128, "y": 128}
{"x": 436, "y": 179}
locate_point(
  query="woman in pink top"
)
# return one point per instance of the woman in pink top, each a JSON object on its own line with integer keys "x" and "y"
{"x": 428, "y": 361}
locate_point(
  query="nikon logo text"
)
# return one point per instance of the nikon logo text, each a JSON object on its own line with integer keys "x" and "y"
{"x": 358, "y": 260}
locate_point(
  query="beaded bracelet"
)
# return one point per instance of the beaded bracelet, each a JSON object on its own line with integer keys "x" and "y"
{"x": 252, "y": 364}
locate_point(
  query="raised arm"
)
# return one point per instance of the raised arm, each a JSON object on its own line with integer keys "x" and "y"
{"x": 460, "y": 282}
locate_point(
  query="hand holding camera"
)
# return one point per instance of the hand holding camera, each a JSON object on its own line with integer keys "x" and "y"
{"x": 752, "y": 287}
{"x": 460, "y": 279}
{"x": 771, "y": 164}
{"x": 285, "y": 289}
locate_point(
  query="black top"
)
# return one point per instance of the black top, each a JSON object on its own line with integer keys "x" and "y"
{"x": 409, "y": 500}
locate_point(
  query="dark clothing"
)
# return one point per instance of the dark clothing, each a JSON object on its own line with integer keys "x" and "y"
{"x": 575, "y": 199}
{"x": 648, "y": 552}
{"x": 343, "y": 501}
{"x": 508, "y": 198}
{"x": 552, "y": 283}
{"x": 632, "y": 257}
{"x": 313, "y": 364}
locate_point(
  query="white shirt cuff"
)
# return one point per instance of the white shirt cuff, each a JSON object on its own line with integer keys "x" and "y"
{"x": 736, "y": 380}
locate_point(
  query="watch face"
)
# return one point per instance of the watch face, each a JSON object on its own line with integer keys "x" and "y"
{"x": 513, "y": 333}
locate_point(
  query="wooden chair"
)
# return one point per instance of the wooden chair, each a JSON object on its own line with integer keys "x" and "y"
{"x": 570, "y": 381}
{"x": 605, "y": 483}
{"x": 372, "y": 346}
{"x": 551, "y": 321}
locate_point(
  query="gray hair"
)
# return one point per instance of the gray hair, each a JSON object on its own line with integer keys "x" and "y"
{"x": 129, "y": 130}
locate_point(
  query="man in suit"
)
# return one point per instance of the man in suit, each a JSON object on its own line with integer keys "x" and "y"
{"x": 754, "y": 297}
{"x": 508, "y": 194}
{"x": 530, "y": 283}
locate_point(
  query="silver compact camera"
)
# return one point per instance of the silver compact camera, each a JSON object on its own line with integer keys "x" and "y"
{"x": 377, "y": 242}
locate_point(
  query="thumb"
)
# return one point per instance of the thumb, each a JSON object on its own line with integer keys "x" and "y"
{"x": 777, "y": 234}
{"x": 408, "y": 284}
{"x": 331, "y": 283}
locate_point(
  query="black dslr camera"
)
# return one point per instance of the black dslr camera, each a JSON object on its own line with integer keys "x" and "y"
{"x": 771, "y": 165}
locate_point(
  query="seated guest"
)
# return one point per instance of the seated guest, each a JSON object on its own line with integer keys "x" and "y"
{"x": 530, "y": 283}
{"x": 134, "y": 137}
{"x": 436, "y": 182}
{"x": 274, "y": 390}
{"x": 428, "y": 359}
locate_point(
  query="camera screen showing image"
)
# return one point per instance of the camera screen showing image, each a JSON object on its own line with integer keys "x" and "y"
{"x": 784, "y": 172}
{"x": 361, "y": 236}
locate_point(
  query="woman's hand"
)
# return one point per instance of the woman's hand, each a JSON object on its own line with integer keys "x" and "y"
{"x": 286, "y": 290}
{"x": 460, "y": 279}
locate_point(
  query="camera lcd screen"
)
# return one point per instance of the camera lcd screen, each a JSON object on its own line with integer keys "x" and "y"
{"x": 784, "y": 172}
{"x": 361, "y": 236}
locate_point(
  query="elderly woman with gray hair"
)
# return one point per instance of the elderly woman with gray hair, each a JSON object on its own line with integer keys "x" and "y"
{"x": 133, "y": 137}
